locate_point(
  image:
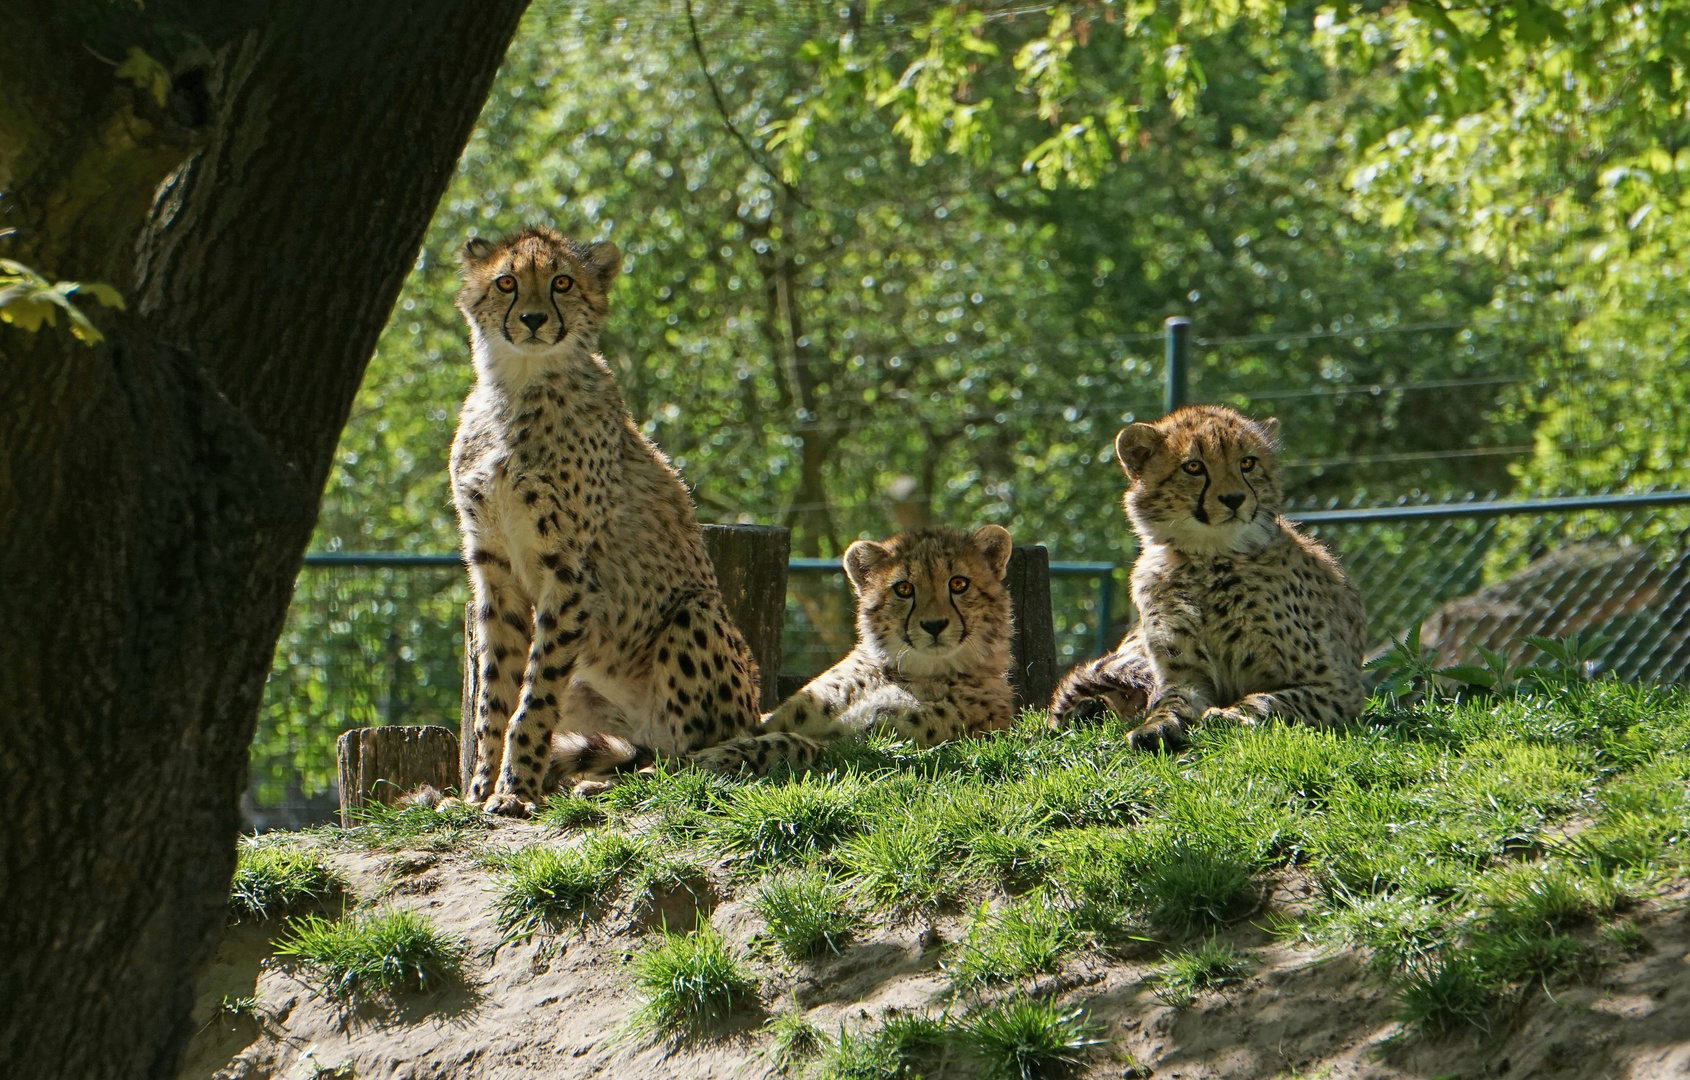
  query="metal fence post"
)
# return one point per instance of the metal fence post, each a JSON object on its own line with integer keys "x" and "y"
{"x": 1175, "y": 389}
{"x": 1105, "y": 612}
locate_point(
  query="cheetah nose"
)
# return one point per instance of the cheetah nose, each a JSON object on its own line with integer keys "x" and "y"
{"x": 935, "y": 626}
{"x": 1233, "y": 501}
{"x": 533, "y": 319}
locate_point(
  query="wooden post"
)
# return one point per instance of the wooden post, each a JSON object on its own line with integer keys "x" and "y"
{"x": 750, "y": 563}
{"x": 379, "y": 764}
{"x": 1032, "y": 670}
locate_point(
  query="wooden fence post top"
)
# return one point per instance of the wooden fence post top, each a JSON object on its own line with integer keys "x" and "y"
{"x": 1032, "y": 672}
{"x": 381, "y": 764}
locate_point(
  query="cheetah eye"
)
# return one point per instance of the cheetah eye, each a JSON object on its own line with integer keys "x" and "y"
{"x": 505, "y": 282}
{"x": 904, "y": 589}
{"x": 959, "y": 584}
{"x": 1246, "y": 464}
{"x": 1193, "y": 468}
{"x": 562, "y": 282}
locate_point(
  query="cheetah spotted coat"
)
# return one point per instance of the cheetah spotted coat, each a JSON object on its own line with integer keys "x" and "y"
{"x": 1241, "y": 616}
{"x": 932, "y": 653}
{"x": 602, "y": 635}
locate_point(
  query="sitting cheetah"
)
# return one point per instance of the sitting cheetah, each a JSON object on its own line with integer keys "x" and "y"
{"x": 933, "y": 630}
{"x": 598, "y": 618}
{"x": 1241, "y": 616}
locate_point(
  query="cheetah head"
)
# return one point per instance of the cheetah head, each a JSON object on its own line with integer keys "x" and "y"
{"x": 932, "y": 601}
{"x": 1205, "y": 479}
{"x": 534, "y": 293}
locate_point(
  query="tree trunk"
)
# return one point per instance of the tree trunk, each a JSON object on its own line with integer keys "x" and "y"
{"x": 258, "y": 196}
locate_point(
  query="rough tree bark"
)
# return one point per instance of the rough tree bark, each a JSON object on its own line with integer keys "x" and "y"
{"x": 258, "y": 197}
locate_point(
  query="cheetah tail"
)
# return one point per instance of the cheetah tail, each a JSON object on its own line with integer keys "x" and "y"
{"x": 575, "y": 755}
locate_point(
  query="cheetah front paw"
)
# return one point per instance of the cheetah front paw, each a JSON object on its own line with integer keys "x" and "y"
{"x": 718, "y": 761}
{"x": 1163, "y": 731}
{"x": 509, "y": 805}
{"x": 1230, "y": 714}
{"x": 1084, "y": 710}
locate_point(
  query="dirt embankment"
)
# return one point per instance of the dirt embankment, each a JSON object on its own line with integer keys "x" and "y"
{"x": 544, "y": 1009}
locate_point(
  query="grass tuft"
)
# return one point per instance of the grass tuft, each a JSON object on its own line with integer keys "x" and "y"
{"x": 1193, "y": 970}
{"x": 411, "y": 825}
{"x": 273, "y": 881}
{"x": 1195, "y": 887}
{"x": 767, "y": 824}
{"x": 904, "y": 1047}
{"x": 688, "y": 983}
{"x": 1030, "y": 1040}
{"x": 902, "y": 868}
{"x": 793, "y": 1041}
{"x": 391, "y": 951}
{"x": 564, "y": 813}
{"x": 807, "y": 913}
{"x": 1448, "y": 994}
{"x": 1029, "y": 937}
{"x": 545, "y": 889}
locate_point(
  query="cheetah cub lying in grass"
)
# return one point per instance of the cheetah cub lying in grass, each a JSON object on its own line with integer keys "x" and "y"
{"x": 1240, "y": 615}
{"x": 933, "y": 631}
{"x": 602, "y": 635}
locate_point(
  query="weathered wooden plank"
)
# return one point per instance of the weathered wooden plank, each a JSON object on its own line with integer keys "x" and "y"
{"x": 381, "y": 764}
{"x": 1032, "y": 670}
{"x": 750, "y": 563}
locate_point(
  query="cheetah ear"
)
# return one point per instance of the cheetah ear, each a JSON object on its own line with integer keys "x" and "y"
{"x": 860, "y": 560}
{"x": 604, "y": 262}
{"x": 476, "y": 249}
{"x": 1270, "y": 428}
{"x": 994, "y": 543}
{"x": 1134, "y": 447}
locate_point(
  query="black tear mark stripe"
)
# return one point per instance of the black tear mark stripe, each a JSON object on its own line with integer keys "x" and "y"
{"x": 1254, "y": 510}
{"x": 1201, "y": 514}
{"x": 505, "y": 319}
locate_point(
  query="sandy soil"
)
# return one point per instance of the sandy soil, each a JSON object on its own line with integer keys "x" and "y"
{"x": 548, "y": 1010}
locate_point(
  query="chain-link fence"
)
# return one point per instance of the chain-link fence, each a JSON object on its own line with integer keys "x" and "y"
{"x": 378, "y": 639}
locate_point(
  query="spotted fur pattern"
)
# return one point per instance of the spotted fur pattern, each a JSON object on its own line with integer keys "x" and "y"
{"x": 603, "y": 639}
{"x": 1241, "y": 616}
{"x": 932, "y": 653}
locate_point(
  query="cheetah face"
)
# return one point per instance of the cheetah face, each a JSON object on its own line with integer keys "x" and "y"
{"x": 1204, "y": 479}
{"x": 932, "y": 601}
{"x": 535, "y": 292}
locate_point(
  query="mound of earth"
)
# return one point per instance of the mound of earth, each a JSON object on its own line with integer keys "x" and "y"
{"x": 557, "y": 1007}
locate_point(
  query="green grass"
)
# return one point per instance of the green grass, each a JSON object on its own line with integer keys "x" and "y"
{"x": 904, "y": 1047}
{"x": 391, "y": 951}
{"x": 1473, "y": 851}
{"x": 273, "y": 881}
{"x": 688, "y": 984}
{"x": 768, "y": 824}
{"x": 806, "y": 913}
{"x": 1191, "y": 971}
{"x": 1027, "y": 937}
{"x": 793, "y": 1041}
{"x": 1030, "y": 1039}
{"x": 543, "y": 889}
{"x": 393, "y": 827}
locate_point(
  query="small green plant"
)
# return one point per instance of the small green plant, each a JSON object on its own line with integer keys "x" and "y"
{"x": 807, "y": 913}
{"x": 1448, "y": 993}
{"x": 767, "y": 824}
{"x": 793, "y": 1041}
{"x": 391, "y": 951}
{"x": 412, "y": 825}
{"x": 1193, "y": 970}
{"x": 1030, "y": 1040}
{"x": 688, "y": 983}
{"x": 564, "y": 813}
{"x": 27, "y": 300}
{"x": 1571, "y": 659}
{"x": 901, "y": 868}
{"x": 1028, "y": 937}
{"x": 272, "y": 881}
{"x": 904, "y": 1047}
{"x": 545, "y": 889}
{"x": 1546, "y": 896}
{"x": 1195, "y": 887}
{"x": 1625, "y": 936}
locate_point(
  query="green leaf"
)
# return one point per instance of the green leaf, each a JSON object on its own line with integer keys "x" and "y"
{"x": 147, "y": 73}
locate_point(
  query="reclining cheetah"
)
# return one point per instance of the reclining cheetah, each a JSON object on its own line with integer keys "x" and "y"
{"x": 933, "y": 630}
{"x": 1241, "y": 616}
{"x": 601, "y": 629}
